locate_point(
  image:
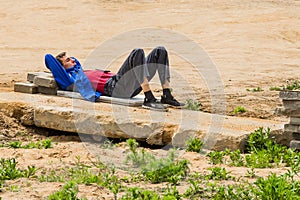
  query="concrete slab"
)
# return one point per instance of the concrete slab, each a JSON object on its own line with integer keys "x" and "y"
{"x": 110, "y": 120}
{"x": 26, "y": 87}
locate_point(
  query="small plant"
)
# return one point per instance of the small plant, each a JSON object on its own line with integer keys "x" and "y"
{"x": 259, "y": 140}
{"x": 216, "y": 157}
{"x": 52, "y": 177}
{"x": 138, "y": 193}
{"x": 239, "y": 109}
{"x": 276, "y": 88}
{"x": 251, "y": 173}
{"x": 15, "y": 188}
{"x": 292, "y": 85}
{"x": 47, "y": 143}
{"x": 218, "y": 173}
{"x": 9, "y": 170}
{"x": 236, "y": 159}
{"x": 193, "y": 105}
{"x": 69, "y": 191}
{"x": 258, "y": 89}
{"x": 194, "y": 145}
{"x": 15, "y": 145}
{"x": 276, "y": 187}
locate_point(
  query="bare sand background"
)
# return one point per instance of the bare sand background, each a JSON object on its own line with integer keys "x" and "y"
{"x": 252, "y": 43}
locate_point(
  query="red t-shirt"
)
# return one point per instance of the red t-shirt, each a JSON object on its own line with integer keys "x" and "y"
{"x": 98, "y": 78}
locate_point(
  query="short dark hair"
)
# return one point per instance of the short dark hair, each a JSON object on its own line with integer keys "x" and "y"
{"x": 60, "y": 55}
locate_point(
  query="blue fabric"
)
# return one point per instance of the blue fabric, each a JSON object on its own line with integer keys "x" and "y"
{"x": 65, "y": 78}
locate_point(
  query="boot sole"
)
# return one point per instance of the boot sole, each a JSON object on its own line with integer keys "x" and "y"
{"x": 155, "y": 109}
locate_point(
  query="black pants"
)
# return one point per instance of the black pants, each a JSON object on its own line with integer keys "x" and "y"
{"x": 127, "y": 82}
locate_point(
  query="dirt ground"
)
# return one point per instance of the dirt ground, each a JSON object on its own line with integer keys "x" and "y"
{"x": 251, "y": 43}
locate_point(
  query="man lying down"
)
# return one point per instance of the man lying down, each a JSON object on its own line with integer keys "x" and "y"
{"x": 132, "y": 78}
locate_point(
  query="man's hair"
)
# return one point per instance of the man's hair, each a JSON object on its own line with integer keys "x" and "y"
{"x": 60, "y": 56}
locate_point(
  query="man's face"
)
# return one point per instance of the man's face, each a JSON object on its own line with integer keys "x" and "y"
{"x": 68, "y": 62}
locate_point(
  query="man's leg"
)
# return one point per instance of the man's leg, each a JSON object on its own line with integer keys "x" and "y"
{"x": 158, "y": 60}
{"x": 131, "y": 75}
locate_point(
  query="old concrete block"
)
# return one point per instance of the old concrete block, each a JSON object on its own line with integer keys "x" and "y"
{"x": 295, "y": 120}
{"x": 290, "y": 112}
{"x": 31, "y": 75}
{"x": 47, "y": 90}
{"x": 296, "y": 136}
{"x": 292, "y": 104}
{"x": 292, "y": 128}
{"x": 26, "y": 88}
{"x": 45, "y": 82}
{"x": 295, "y": 144}
{"x": 289, "y": 95}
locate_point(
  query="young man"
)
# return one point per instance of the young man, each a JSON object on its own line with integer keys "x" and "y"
{"x": 132, "y": 78}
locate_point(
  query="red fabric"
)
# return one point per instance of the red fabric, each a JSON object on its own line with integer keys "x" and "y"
{"x": 98, "y": 78}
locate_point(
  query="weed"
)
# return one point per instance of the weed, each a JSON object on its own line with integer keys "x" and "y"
{"x": 141, "y": 194}
{"x": 251, "y": 173}
{"x": 194, "y": 145}
{"x": 216, "y": 157}
{"x": 69, "y": 192}
{"x": 15, "y": 145}
{"x": 193, "y": 105}
{"x": 218, "y": 173}
{"x": 235, "y": 158}
{"x": 276, "y": 187}
{"x": 290, "y": 85}
{"x": 258, "y": 89}
{"x": 294, "y": 85}
{"x": 239, "y": 109}
{"x": 258, "y": 140}
{"x": 9, "y": 171}
{"x": 15, "y": 188}
{"x": 112, "y": 182}
{"x": 276, "y": 88}
{"x": 47, "y": 143}
{"x": 157, "y": 170}
{"x": 52, "y": 177}
{"x": 194, "y": 190}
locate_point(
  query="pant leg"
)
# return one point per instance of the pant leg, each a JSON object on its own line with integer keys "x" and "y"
{"x": 158, "y": 60}
{"x": 131, "y": 75}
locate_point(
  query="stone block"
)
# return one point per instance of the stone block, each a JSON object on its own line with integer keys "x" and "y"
{"x": 296, "y": 136}
{"x": 45, "y": 82}
{"x": 290, "y": 95}
{"x": 292, "y": 104}
{"x": 31, "y": 75}
{"x": 292, "y": 128}
{"x": 295, "y": 120}
{"x": 47, "y": 90}
{"x": 295, "y": 144}
{"x": 290, "y": 112}
{"x": 26, "y": 87}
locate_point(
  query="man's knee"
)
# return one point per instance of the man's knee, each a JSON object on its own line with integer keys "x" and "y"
{"x": 138, "y": 52}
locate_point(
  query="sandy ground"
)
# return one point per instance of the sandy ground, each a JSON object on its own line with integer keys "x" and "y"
{"x": 251, "y": 44}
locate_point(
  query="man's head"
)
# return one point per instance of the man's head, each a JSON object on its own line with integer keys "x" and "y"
{"x": 67, "y": 62}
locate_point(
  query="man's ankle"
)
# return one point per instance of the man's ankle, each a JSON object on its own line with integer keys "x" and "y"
{"x": 167, "y": 93}
{"x": 149, "y": 96}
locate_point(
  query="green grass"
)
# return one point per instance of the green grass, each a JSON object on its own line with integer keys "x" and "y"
{"x": 257, "y": 89}
{"x": 68, "y": 192}
{"x": 46, "y": 144}
{"x": 193, "y": 105}
{"x": 194, "y": 145}
{"x": 166, "y": 174}
{"x": 239, "y": 109}
{"x": 290, "y": 85}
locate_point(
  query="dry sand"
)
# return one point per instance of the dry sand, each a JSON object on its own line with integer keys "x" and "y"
{"x": 252, "y": 44}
